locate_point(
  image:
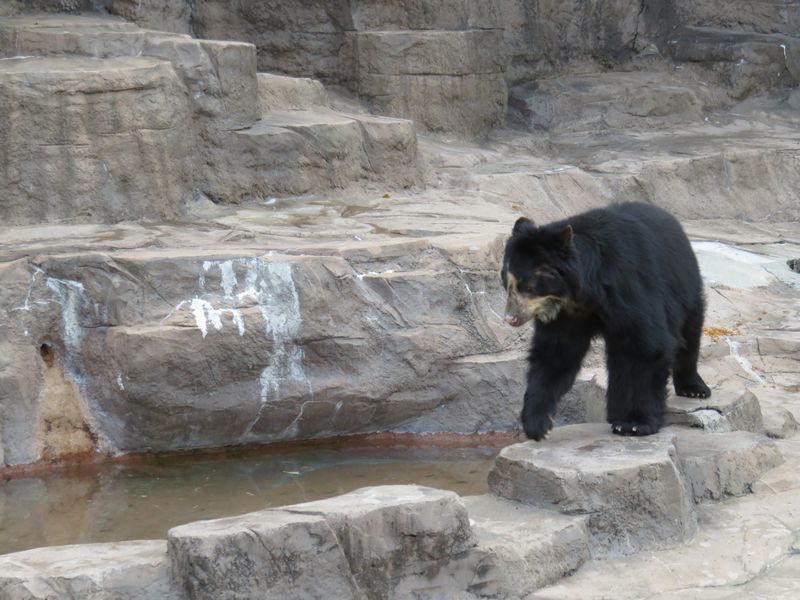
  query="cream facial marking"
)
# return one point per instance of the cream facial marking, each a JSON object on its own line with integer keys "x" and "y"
{"x": 521, "y": 308}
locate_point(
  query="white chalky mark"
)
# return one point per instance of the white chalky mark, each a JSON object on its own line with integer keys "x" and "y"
{"x": 68, "y": 294}
{"x": 783, "y": 47}
{"x": 206, "y": 314}
{"x": 228, "y": 279}
{"x": 120, "y": 384}
{"x": 268, "y": 286}
{"x": 743, "y": 362}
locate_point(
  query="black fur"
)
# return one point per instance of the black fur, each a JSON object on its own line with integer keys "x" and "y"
{"x": 628, "y": 273}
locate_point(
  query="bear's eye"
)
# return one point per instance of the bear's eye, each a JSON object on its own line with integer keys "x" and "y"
{"x": 524, "y": 288}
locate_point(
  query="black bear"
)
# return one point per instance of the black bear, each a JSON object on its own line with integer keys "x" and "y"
{"x": 626, "y": 272}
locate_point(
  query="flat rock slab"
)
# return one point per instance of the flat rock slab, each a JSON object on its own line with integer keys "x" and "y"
{"x": 724, "y": 464}
{"x": 630, "y": 488}
{"x": 397, "y": 536}
{"x": 269, "y": 554}
{"x": 367, "y": 543}
{"x": 131, "y": 570}
{"x": 522, "y": 548}
{"x": 736, "y": 408}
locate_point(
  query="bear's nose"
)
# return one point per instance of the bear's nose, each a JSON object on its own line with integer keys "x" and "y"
{"x": 511, "y": 319}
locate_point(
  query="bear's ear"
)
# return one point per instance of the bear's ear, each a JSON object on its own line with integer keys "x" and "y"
{"x": 523, "y": 226}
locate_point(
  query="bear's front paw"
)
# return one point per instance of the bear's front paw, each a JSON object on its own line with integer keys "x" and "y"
{"x": 537, "y": 426}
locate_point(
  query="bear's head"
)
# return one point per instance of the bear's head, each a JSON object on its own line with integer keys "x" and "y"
{"x": 536, "y": 272}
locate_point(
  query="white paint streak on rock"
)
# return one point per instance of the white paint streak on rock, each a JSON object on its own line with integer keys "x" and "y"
{"x": 120, "y": 383}
{"x": 271, "y": 285}
{"x": 68, "y": 293}
{"x": 743, "y": 362}
{"x": 267, "y": 285}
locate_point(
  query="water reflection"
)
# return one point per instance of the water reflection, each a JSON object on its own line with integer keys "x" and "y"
{"x": 142, "y": 501}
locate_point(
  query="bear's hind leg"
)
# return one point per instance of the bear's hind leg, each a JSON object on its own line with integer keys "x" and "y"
{"x": 636, "y": 394}
{"x": 685, "y": 377}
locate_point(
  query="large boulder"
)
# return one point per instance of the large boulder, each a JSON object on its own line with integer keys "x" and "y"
{"x": 630, "y": 488}
{"x": 388, "y": 541}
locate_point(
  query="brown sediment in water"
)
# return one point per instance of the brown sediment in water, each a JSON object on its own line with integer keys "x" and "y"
{"x": 90, "y": 462}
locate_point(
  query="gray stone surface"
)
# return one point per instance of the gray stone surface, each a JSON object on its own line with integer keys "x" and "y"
{"x": 115, "y": 571}
{"x": 388, "y": 541}
{"x": 92, "y": 140}
{"x": 765, "y": 16}
{"x": 608, "y": 100}
{"x": 442, "y": 80}
{"x": 584, "y": 403}
{"x": 422, "y": 530}
{"x": 278, "y": 92}
{"x": 737, "y": 406}
{"x": 522, "y": 548}
{"x": 747, "y": 63}
{"x": 744, "y": 548}
{"x": 630, "y": 488}
{"x": 724, "y": 464}
{"x": 164, "y": 15}
{"x": 267, "y": 554}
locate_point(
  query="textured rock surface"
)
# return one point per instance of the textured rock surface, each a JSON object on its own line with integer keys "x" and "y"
{"x": 737, "y": 407}
{"x": 442, "y": 80}
{"x": 600, "y": 100}
{"x": 99, "y": 140}
{"x": 130, "y": 570}
{"x": 630, "y": 488}
{"x": 522, "y": 548}
{"x": 745, "y": 548}
{"x": 724, "y": 464}
{"x": 267, "y": 554}
{"x": 389, "y": 541}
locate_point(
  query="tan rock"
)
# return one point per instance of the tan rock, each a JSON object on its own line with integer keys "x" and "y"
{"x": 119, "y": 127}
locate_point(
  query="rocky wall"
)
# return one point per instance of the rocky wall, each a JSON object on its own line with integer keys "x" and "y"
{"x": 158, "y": 352}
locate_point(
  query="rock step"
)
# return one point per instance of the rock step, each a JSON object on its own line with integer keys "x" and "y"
{"x": 301, "y": 151}
{"x": 630, "y": 488}
{"x": 120, "y": 127}
{"x": 219, "y": 75}
{"x": 443, "y": 80}
{"x": 607, "y": 100}
{"x": 305, "y": 367}
{"x": 731, "y": 407}
{"x": 638, "y": 493}
{"x": 378, "y": 542}
{"x": 136, "y": 570}
{"x": 724, "y": 464}
{"x": 522, "y": 548}
{"x": 749, "y": 62}
{"x": 211, "y": 102}
{"x": 281, "y": 92}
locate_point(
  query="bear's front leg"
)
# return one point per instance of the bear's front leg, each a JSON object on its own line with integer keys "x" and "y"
{"x": 555, "y": 358}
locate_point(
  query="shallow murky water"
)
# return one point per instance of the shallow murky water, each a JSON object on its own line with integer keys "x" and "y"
{"x": 142, "y": 501}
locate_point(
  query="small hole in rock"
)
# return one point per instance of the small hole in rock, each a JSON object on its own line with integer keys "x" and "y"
{"x": 48, "y": 354}
{"x": 794, "y": 264}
